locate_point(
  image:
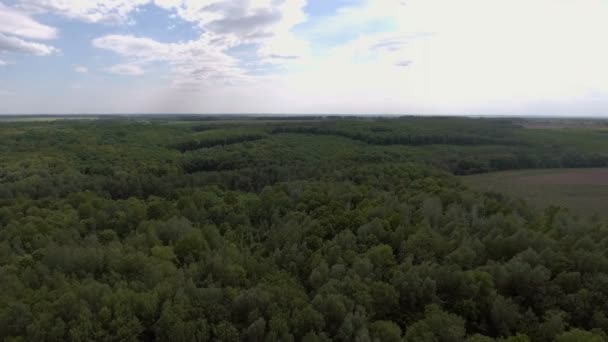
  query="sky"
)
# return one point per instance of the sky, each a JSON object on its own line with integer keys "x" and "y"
{"x": 462, "y": 57}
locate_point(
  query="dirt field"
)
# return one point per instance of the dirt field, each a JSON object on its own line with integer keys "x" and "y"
{"x": 584, "y": 191}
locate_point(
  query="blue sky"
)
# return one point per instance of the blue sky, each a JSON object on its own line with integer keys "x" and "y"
{"x": 304, "y": 56}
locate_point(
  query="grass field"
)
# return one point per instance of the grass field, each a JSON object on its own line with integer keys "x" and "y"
{"x": 593, "y": 124}
{"x": 584, "y": 191}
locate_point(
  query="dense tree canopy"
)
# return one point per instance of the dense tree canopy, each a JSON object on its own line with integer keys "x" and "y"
{"x": 269, "y": 230}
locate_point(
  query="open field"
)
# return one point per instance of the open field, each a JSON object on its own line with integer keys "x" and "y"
{"x": 584, "y": 191}
{"x": 565, "y": 123}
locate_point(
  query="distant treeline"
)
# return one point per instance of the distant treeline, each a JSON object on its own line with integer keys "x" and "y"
{"x": 388, "y": 138}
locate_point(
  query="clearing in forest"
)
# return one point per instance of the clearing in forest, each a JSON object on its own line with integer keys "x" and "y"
{"x": 584, "y": 191}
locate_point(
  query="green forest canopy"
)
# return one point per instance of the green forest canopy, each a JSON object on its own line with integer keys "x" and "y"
{"x": 303, "y": 229}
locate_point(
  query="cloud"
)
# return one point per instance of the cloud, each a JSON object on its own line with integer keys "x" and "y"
{"x": 126, "y": 70}
{"x": 18, "y": 24}
{"x": 5, "y": 93}
{"x": 403, "y": 63}
{"x": 466, "y": 57}
{"x": 243, "y": 18}
{"x": 15, "y": 27}
{"x": 368, "y": 56}
{"x": 81, "y": 70}
{"x": 196, "y": 61}
{"x": 132, "y": 46}
{"x": 246, "y": 26}
{"x": 2, "y": 63}
{"x": 13, "y": 44}
{"x": 264, "y": 24}
{"x": 92, "y": 11}
{"x": 478, "y": 56}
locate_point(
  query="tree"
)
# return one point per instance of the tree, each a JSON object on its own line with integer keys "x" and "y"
{"x": 385, "y": 331}
{"x": 505, "y": 316}
{"x": 437, "y": 325}
{"x": 577, "y": 335}
{"x": 191, "y": 247}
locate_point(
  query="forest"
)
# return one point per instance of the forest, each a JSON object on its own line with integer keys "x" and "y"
{"x": 186, "y": 228}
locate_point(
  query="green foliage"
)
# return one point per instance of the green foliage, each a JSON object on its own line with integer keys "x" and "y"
{"x": 320, "y": 230}
{"x": 385, "y": 331}
{"x": 577, "y": 335}
{"x": 437, "y": 325}
{"x": 218, "y": 137}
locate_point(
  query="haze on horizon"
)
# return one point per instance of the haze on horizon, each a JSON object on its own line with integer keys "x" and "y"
{"x": 516, "y": 57}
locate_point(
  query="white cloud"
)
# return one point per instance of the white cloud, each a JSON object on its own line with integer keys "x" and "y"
{"x": 266, "y": 24}
{"x": 376, "y": 56}
{"x": 126, "y": 69}
{"x": 93, "y": 11}
{"x": 2, "y": 63}
{"x": 193, "y": 62}
{"x": 6, "y": 93}
{"x": 18, "y": 24}
{"x": 14, "y": 44}
{"x": 227, "y": 23}
{"x": 513, "y": 51}
{"x": 132, "y": 46}
{"x": 445, "y": 56}
{"x": 81, "y": 70}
